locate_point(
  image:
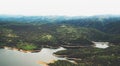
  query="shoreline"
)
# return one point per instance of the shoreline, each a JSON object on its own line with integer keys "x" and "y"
{"x": 21, "y": 50}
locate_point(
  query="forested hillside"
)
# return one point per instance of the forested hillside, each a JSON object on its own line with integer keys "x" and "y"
{"x": 64, "y": 30}
{"x": 74, "y": 33}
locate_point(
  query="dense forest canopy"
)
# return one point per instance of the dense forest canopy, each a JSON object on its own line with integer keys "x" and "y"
{"x": 55, "y": 30}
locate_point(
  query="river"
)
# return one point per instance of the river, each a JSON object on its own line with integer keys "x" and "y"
{"x": 17, "y": 58}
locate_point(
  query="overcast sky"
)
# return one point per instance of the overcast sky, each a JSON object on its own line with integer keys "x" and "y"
{"x": 59, "y": 7}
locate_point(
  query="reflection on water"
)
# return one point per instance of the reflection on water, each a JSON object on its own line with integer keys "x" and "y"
{"x": 101, "y": 44}
{"x": 17, "y": 58}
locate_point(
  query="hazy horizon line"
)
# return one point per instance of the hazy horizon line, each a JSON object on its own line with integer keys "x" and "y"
{"x": 61, "y": 15}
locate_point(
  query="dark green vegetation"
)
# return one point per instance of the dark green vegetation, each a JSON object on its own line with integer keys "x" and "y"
{"x": 34, "y": 32}
{"x": 26, "y": 46}
{"x": 62, "y": 63}
{"x": 44, "y": 35}
{"x": 90, "y": 57}
{"x": 58, "y": 30}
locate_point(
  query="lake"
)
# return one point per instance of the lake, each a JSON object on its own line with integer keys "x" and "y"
{"x": 101, "y": 44}
{"x": 17, "y": 58}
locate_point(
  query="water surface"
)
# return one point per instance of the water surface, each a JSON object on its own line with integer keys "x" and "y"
{"x": 17, "y": 58}
{"x": 101, "y": 44}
